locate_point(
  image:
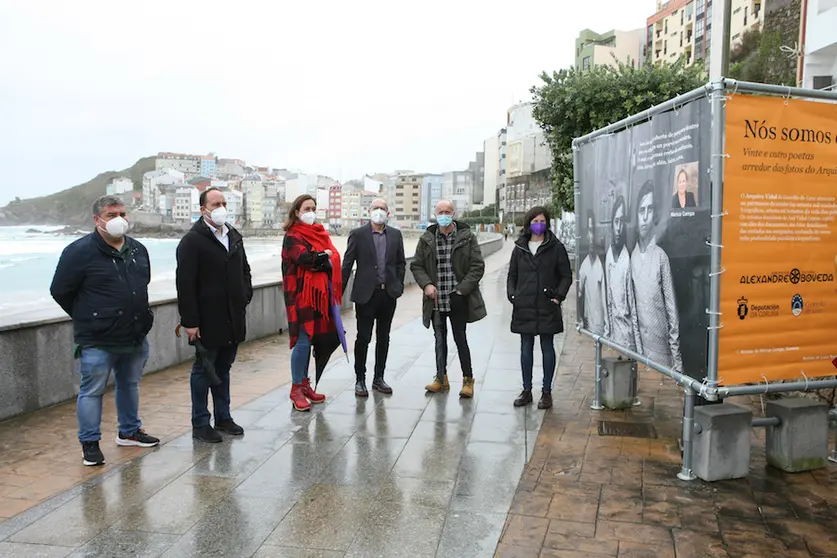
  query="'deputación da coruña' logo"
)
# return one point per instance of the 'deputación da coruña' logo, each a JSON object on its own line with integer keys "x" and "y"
{"x": 797, "y": 304}
{"x": 742, "y": 308}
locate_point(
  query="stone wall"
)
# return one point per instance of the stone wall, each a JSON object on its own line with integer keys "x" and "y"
{"x": 37, "y": 367}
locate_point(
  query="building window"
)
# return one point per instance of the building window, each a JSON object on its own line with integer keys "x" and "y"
{"x": 665, "y": 47}
{"x": 585, "y": 63}
{"x": 666, "y": 27}
{"x": 745, "y": 15}
{"x": 682, "y": 17}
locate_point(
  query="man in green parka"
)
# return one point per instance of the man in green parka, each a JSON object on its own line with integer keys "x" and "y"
{"x": 448, "y": 266}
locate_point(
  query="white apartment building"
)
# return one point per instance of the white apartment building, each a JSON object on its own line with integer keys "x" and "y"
{"x": 458, "y": 188}
{"x": 253, "y": 190}
{"x": 119, "y": 185}
{"x": 819, "y": 66}
{"x": 230, "y": 167}
{"x": 235, "y": 201}
{"x": 182, "y": 206}
{"x": 322, "y": 205}
{"x": 188, "y": 164}
{"x": 491, "y": 148}
{"x": 152, "y": 181}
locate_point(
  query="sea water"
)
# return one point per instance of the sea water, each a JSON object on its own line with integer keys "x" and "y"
{"x": 28, "y": 260}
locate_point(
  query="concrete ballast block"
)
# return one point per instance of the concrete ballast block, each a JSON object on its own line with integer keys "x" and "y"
{"x": 722, "y": 442}
{"x": 800, "y": 442}
{"x": 619, "y": 384}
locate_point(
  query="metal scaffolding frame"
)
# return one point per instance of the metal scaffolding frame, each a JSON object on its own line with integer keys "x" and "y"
{"x": 709, "y": 389}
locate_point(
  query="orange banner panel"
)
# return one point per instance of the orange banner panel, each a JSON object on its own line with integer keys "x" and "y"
{"x": 778, "y": 294}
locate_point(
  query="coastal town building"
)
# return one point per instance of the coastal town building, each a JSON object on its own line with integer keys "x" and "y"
{"x": 407, "y": 207}
{"x": 187, "y": 164}
{"x": 431, "y": 193}
{"x": 681, "y": 28}
{"x": 819, "y": 68}
{"x": 610, "y": 48}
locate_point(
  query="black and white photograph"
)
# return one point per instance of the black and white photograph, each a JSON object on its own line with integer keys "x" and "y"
{"x": 643, "y": 222}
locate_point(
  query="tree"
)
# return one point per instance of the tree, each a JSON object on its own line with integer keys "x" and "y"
{"x": 571, "y": 103}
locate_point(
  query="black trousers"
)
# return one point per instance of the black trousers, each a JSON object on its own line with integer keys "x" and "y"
{"x": 380, "y": 309}
{"x": 458, "y": 317}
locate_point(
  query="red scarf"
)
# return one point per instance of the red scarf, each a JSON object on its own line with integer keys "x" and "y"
{"x": 315, "y": 283}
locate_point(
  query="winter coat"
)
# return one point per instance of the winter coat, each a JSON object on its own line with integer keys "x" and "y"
{"x": 297, "y": 253}
{"x": 214, "y": 286}
{"x": 468, "y": 269}
{"x": 533, "y": 281}
{"x": 104, "y": 291}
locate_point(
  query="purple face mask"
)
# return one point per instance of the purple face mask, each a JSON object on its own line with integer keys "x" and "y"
{"x": 537, "y": 228}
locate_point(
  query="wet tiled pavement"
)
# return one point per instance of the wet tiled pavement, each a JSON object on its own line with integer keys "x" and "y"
{"x": 403, "y": 475}
{"x": 582, "y": 494}
{"x": 409, "y": 474}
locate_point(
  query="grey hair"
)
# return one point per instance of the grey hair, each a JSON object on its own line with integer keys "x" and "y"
{"x": 452, "y": 206}
{"x": 106, "y": 201}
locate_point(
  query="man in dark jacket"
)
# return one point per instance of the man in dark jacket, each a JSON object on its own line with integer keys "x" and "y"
{"x": 101, "y": 282}
{"x": 379, "y": 253}
{"x": 448, "y": 266}
{"x": 214, "y": 288}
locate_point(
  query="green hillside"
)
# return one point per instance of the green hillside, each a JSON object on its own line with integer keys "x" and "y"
{"x": 73, "y": 205}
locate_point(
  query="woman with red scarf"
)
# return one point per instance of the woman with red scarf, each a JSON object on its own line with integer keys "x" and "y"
{"x": 312, "y": 283}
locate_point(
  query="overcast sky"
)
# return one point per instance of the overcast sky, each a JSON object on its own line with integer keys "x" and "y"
{"x": 335, "y": 87}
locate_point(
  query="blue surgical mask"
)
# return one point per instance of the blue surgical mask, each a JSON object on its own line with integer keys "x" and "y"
{"x": 444, "y": 220}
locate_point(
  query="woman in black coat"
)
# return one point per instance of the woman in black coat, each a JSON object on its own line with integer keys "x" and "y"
{"x": 539, "y": 279}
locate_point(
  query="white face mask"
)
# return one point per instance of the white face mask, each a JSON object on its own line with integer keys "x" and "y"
{"x": 219, "y": 216}
{"x": 308, "y": 217}
{"x": 379, "y": 216}
{"x": 116, "y": 227}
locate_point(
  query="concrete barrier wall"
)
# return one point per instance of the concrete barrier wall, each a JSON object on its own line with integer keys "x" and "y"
{"x": 37, "y": 368}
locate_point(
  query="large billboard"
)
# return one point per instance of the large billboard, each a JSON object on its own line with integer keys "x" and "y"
{"x": 778, "y": 294}
{"x": 643, "y": 220}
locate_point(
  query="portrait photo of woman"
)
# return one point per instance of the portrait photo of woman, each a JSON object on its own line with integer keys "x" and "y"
{"x": 684, "y": 190}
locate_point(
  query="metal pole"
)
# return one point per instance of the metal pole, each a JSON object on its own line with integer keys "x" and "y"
{"x": 765, "y": 421}
{"x": 635, "y": 379}
{"x": 716, "y": 211}
{"x": 780, "y": 90}
{"x": 597, "y": 397}
{"x": 759, "y": 389}
{"x": 710, "y": 394}
{"x": 719, "y": 49}
{"x": 686, "y": 473}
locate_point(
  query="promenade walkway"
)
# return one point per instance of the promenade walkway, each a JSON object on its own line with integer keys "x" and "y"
{"x": 410, "y": 474}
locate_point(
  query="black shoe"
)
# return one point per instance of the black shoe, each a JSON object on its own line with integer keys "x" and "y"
{"x": 378, "y": 384}
{"x": 360, "y": 389}
{"x": 206, "y": 434}
{"x": 525, "y": 398}
{"x": 546, "y": 401}
{"x": 91, "y": 454}
{"x": 229, "y": 427}
{"x": 140, "y": 438}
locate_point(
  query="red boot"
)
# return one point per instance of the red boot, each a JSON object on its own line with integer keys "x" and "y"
{"x": 298, "y": 398}
{"x": 309, "y": 392}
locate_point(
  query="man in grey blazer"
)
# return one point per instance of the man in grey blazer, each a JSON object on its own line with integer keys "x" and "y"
{"x": 378, "y": 251}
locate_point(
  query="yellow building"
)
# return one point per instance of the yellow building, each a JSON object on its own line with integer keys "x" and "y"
{"x": 407, "y": 209}
{"x": 682, "y": 28}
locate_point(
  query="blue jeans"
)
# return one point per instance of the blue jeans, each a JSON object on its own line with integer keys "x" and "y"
{"x": 527, "y": 358}
{"x": 199, "y": 382}
{"x": 94, "y": 367}
{"x": 300, "y": 356}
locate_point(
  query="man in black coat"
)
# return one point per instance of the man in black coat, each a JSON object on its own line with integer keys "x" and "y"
{"x": 214, "y": 288}
{"x": 379, "y": 281}
{"x": 101, "y": 282}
